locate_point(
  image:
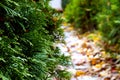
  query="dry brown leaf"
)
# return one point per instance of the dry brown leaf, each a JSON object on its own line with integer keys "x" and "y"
{"x": 107, "y": 78}
{"x": 83, "y": 53}
{"x": 68, "y": 49}
{"x": 114, "y": 70}
{"x": 89, "y": 47}
{"x": 80, "y": 63}
{"x": 84, "y": 45}
{"x": 95, "y": 61}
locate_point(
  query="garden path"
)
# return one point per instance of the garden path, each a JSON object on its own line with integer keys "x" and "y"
{"x": 89, "y": 61}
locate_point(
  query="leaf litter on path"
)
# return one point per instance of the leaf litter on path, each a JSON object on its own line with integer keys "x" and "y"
{"x": 89, "y": 61}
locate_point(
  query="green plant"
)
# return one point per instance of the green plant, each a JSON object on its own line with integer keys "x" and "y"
{"x": 26, "y": 41}
{"x": 64, "y": 3}
{"x": 109, "y": 23}
{"x": 81, "y": 13}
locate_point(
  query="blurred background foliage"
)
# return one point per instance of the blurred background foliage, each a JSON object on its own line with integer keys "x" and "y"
{"x": 103, "y": 16}
{"x": 27, "y": 32}
{"x": 109, "y": 24}
{"x": 81, "y": 13}
{"x": 64, "y": 3}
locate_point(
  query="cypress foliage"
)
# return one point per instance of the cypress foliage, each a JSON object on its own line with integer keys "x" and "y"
{"x": 26, "y": 41}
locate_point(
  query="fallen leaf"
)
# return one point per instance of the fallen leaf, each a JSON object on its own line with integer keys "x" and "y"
{"x": 70, "y": 29}
{"x": 80, "y": 63}
{"x": 89, "y": 47}
{"x": 83, "y": 53}
{"x": 96, "y": 39}
{"x": 118, "y": 56}
{"x": 95, "y": 61}
{"x": 99, "y": 65}
{"x": 104, "y": 73}
{"x": 79, "y": 73}
{"x": 107, "y": 78}
{"x": 68, "y": 49}
{"x": 73, "y": 45}
{"x": 114, "y": 70}
{"x": 84, "y": 45}
{"x": 105, "y": 55}
{"x": 65, "y": 24}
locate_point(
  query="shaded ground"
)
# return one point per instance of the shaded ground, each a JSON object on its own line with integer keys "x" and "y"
{"x": 89, "y": 61}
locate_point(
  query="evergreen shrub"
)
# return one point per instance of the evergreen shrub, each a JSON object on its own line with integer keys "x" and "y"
{"x": 27, "y": 31}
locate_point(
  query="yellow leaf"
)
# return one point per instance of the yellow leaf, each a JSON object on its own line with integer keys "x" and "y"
{"x": 79, "y": 73}
{"x": 99, "y": 65}
{"x": 69, "y": 29}
{"x": 118, "y": 56}
{"x": 105, "y": 55}
{"x": 65, "y": 24}
{"x": 94, "y": 61}
{"x": 96, "y": 39}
